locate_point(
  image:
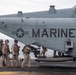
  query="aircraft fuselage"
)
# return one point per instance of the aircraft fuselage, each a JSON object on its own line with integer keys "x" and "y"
{"x": 48, "y": 32}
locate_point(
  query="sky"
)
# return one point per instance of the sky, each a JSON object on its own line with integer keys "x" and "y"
{"x": 13, "y": 6}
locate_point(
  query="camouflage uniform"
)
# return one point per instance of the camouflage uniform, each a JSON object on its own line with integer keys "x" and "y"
{"x": 15, "y": 53}
{"x": 59, "y": 54}
{"x": 26, "y": 51}
{"x": 5, "y": 53}
{"x": 43, "y": 52}
{"x": 54, "y": 54}
{"x": 1, "y": 45}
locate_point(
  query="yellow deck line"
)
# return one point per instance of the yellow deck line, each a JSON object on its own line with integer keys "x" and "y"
{"x": 7, "y": 73}
{"x": 11, "y": 73}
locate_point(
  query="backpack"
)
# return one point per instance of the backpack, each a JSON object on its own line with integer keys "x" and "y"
{"x": 16, "y": 48}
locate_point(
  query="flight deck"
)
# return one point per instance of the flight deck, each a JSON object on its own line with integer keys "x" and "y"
{"x": 45, "y": 63}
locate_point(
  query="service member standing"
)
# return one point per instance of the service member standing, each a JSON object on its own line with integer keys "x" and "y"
{"x": 15, "y": 53}
{"x": 5, "y": 53}
{"x": 26, "y": 50}
{"x": 1, "y": 45}
{"x": 43, "y": 52}
{"x": 54, "y": 54}
{"x": 59, "y": 54}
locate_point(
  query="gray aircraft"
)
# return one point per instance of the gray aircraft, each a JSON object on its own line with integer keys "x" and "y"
{"x": 54, "y": 29}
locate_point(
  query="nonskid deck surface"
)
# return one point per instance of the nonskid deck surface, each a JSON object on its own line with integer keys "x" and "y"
{"x": 41, "y": 65}
{"x": 38, "y": 71}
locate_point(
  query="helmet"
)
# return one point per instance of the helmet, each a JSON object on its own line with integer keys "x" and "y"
{"x": 16, "y": 41}
{"x": 6, "y": 40}
{"x": 28, "y": 45}
{"x": 1, "y": 41}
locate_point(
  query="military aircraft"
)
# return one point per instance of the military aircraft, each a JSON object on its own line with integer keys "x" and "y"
{"x": 53, "y": 29}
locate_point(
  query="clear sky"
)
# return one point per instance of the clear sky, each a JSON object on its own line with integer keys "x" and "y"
{"x": 12, "y": 6}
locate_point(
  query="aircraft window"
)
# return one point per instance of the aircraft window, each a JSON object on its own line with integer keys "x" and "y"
{"x": 70, "y": 49}
{"x": 69, "y": 43}
{"x": 69, "y": 46}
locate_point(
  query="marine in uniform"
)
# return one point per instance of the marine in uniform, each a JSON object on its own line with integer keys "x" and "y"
{"x": 5, "y": 53}
{"x": 15, "y": 53}
{"x": 1, "y": 45}
{"x": 54, "y": 54}
{"x": 1, "y": 62}
{"x": 43, "y": 52}
{"x": 26, "y": 50}
{"x": 60, "y": 54}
